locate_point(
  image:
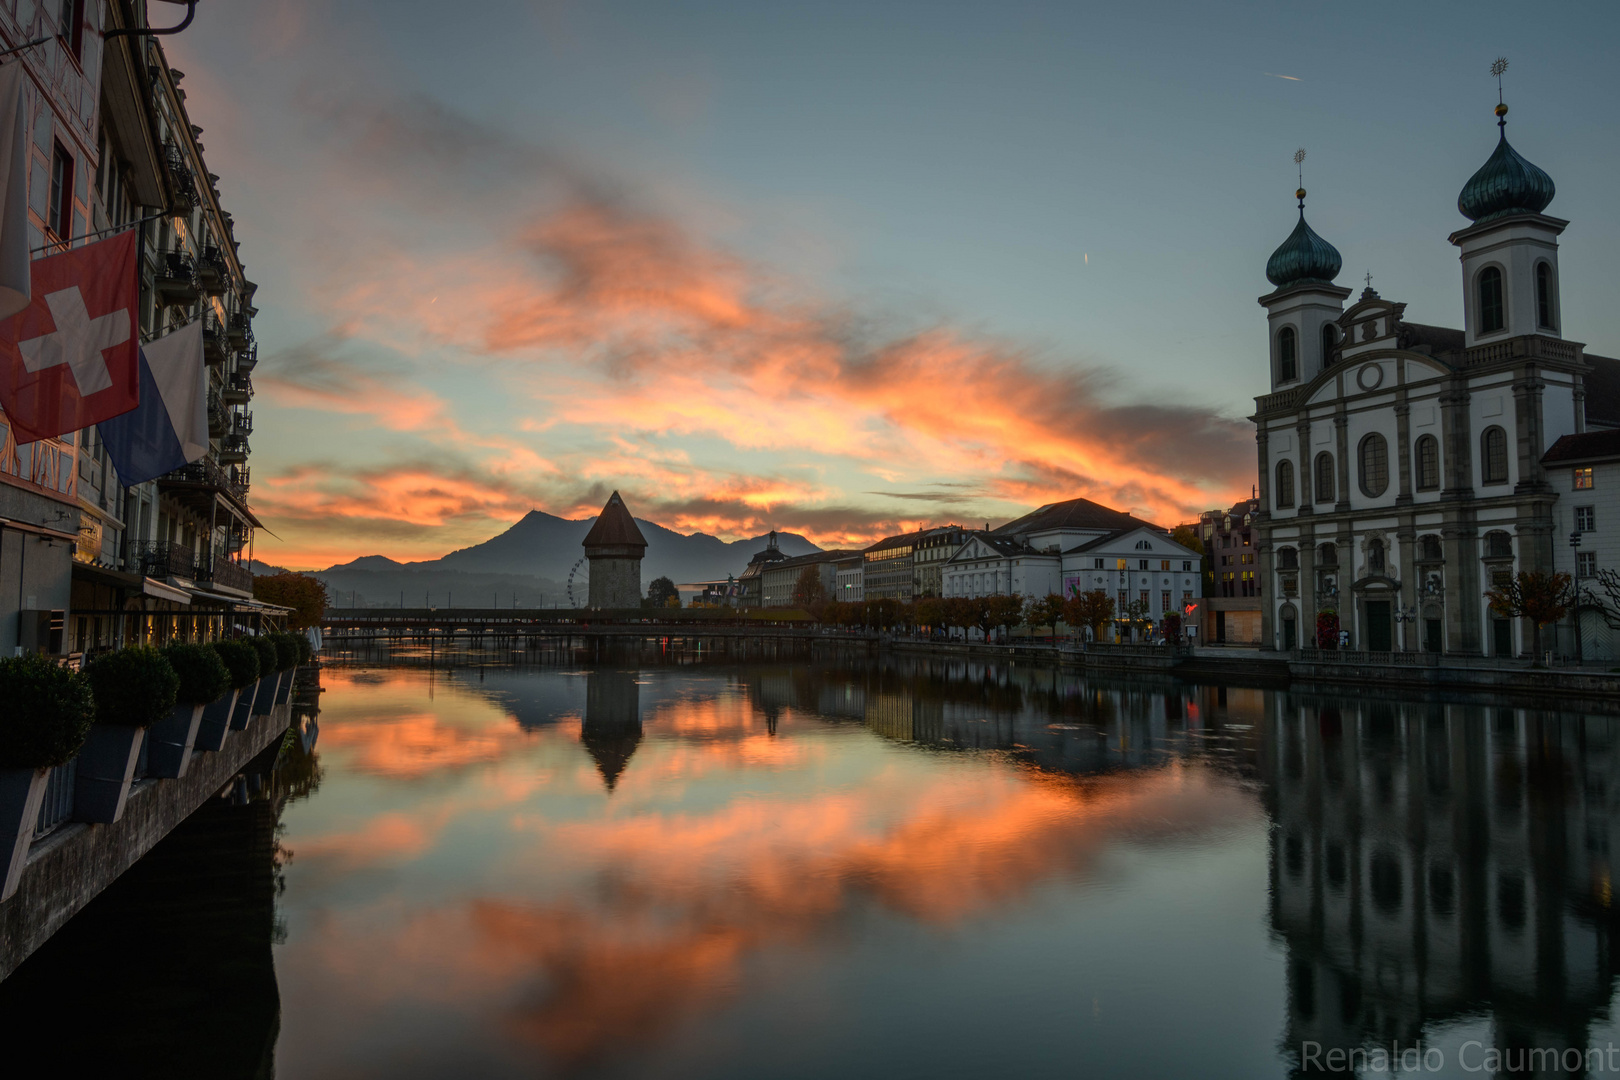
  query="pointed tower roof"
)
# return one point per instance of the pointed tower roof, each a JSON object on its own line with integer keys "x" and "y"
{"x": 615, "y": 527}
{"x": 611, "y": 751}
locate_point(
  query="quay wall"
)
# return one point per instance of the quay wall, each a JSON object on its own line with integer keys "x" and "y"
{"x": 69, "y": 866}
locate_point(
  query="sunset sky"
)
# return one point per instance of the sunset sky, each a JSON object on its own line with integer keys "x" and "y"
{"x": 833, "y": 268}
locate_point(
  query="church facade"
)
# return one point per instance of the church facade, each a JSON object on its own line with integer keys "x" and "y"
{"x": 1402, "y": 465}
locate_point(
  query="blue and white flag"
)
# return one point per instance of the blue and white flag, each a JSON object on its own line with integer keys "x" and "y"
{"x": 169, "y": 428}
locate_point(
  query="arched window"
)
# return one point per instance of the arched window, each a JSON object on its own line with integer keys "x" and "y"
{"x": 1544, "y": 296}
{"x": 1287, "y": 558}
{"x": 1285, "y": 485}
{"x": 1498, "y": 545}
{"x": 1428, "y": 463}
{"x": 1324, "y": 478}
{"x": 1327, "y": 555}
{"x": 1330, "y": 341}
{"x": 1374, "y": 465}
{"x": 1375, "y": 556}
{"x": 1287, "y": 355}
{"x": 1493, "y": 456}
{"x": 1429, "y": 549}
{"x": 1490, "y": 300}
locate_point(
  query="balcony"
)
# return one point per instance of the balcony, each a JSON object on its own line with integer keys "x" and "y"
{"x": 238, "y": 389}
{"x": 164, "y": 560}
{"x": 240, "y": 330}
{"x": 176, "y": 279}
{"x": 247, "y": 358}
{"x": 182, "y": 185}
{"x": 218, "y": 418}
{"x": 213, "y": 271}
{"x": 222, "y": 573}
{"x": 242, "y": 423}
{"x": 234, "y": 449}
{"x": 215, "y": 351}
{"x": 200, "y": 480}
{"x": 239, "y": 479}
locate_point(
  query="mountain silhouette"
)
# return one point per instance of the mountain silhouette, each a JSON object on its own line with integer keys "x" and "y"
{"x": 531, "y": 561}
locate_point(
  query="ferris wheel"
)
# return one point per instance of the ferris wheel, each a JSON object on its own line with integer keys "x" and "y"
{"x": 579, "y": 577}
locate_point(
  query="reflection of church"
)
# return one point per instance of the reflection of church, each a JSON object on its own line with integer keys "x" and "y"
{"x": 1440, "y": 861}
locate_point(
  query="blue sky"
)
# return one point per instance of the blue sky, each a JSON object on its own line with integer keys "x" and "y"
{"x": 1078, "y": 200}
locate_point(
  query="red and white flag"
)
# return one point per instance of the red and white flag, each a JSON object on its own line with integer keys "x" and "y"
{"x": 72, "y": 357}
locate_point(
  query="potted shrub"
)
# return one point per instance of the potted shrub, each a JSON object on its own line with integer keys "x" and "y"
{"x": 287, "y": 658}
{"x": 203, "y": 680}
{"x": 264, "y": 695}
{"x": 45, "y": 714}
{"x": 134, "y": 688}
{"x": 242, "y": 663}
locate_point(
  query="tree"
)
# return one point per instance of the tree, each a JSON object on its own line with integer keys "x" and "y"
{"x": 809, "y": 588}
{"x": 306, "y": 596}
{"x": 959, "y": 613}
{"x": 1002, "y": 611}
{"x": 661, "y": 591}
{"x": 1535, "y": 595}
{"x": 1091, "y": 609}
{"x": 1044, "y": 611}
{"x": 930, "y": 612}
{"x": 1137, "y": 612}
{"x": 1187, "y": 536}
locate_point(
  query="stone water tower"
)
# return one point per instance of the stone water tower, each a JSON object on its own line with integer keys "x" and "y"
{"x": 615, "y": 547}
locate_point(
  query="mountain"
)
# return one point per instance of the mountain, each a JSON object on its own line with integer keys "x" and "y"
{"x": 548, "y": 546}
{"x": 531, "y": 561}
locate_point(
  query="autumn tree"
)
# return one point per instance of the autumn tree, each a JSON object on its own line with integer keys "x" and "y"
{"x": 1536, "y": 595}
{"x": 661, "y": 592}
{"x": 1187, "y": 536}
{"x": 1136, "y": 613}
{"x": 1092, "y": 609}
{"x": 1044, "y": 611}
{"x": 930, "y": 612}
{"x": 1001, "y": 611}
{"x": 809, "y": 588}
{"x": 306, "y": 596}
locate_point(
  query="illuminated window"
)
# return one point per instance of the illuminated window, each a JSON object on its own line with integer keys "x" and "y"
{"x": 1583, "y": 479}
{"x": 1122, "y": 565}
{"x": 1164, "y": 564}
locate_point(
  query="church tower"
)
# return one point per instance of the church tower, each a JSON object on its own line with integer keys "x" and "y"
{"x": 615, "y": 547}
{"x": 1510, "y": 253}
{"x": 1304, "y": 309}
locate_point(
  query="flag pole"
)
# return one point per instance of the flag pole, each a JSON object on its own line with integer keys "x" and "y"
{"x": 140, "y": 248}
{"x": 26, "y": 45}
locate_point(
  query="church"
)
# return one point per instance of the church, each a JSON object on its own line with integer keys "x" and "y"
{"x": 1403, "y": 467}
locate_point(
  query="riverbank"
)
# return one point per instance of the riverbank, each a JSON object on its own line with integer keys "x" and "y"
{"x": 1253, "y": 667}
{"x": 73, "y": 863}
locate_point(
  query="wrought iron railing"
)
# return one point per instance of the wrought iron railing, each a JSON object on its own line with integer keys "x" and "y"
{"x": 215, "y": 347}
{"x": 58, "y": 805}
{"x": 241, "y": 328}
{"x": 222, "y": 571}
{"x": 164, "y": 559}
{"x": 181, "y": 181}
{"x": 206, "y": 472}
{"x": 247, "y": 358}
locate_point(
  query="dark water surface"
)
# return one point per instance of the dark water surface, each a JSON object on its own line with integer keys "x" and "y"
{"x": 896, "y": 869}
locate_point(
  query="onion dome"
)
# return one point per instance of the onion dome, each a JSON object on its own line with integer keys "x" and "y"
{"x": 1304, "y": 256}
{"x": 1505, "y": 184}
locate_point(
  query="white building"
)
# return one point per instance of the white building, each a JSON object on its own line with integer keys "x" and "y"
{"x": 849, "y": 579}
{"x": 1077, "y": 546}
{"x": 1401, "y": 464}
{"x": 1584, "y": 471}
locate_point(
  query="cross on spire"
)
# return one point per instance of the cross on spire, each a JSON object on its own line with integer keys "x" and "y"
{"x": 1369, "y": 279}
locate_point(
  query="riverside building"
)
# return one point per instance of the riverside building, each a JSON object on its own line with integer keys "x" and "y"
{"x": 89, "y": 563}
{"x": 1403, "y": 466}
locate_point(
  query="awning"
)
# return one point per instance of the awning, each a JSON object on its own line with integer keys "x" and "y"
{"x": 165, "y": 592}
{"x": 106, "y": 575}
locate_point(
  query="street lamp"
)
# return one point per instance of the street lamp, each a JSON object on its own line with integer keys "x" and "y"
{"x": 1575, "y": 549}
{"x": 1406, "y": 616}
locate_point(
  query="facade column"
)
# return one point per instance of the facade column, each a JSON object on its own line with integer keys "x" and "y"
{"x": 1307, "y": 475}
{"x": 1403, "y": 456}
{"x": 1406, "y": 536}
{"x": 1458, "y": 533}
{"x": 1307, "y": 601}
{"x": 1261, "y": 529}
{"x": 1341, "y": 441}
{"x": 1530, "y": 428}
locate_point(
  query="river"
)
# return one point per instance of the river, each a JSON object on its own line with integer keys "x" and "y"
{"x": 875, "y": 868}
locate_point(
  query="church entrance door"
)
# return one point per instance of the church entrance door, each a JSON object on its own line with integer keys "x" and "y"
{"x": 1378, "y": 629}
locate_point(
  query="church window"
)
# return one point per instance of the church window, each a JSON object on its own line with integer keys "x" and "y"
{"x": 1429, "y": 548}
{"x": 1544, "y": 295}
{"x": 1498, "y": 545}
{"x": 1428, "y": 463}
{"x": 1375, "y": 556}
{"x": 1327, "y": 555}
{"x": 1330, "y": 341}
{"x": 1374, "y": 465}
{"x": 1288, "y": 558}
{"x": 1285, "y": 484}
{"x": 1324, "y": 477}
{"x": 1490, "y": 300}
{"x": 1287, "y": 355}
{"x": 1493, "y": 456}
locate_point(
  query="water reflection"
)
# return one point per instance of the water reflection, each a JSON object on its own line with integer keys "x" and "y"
{"x": 1440, "y": 862}
{"x": 611, "y": 730}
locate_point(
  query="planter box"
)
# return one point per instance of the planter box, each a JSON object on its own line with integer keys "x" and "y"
{"x": 284, "y": 691}
{"x": 216, "y": 721}
{"x": 246, "y": 698}
{"x": 21, "y": 792}
{"x": 106, "y": 765}
{"x": 265, "y": 700}
{"x": 169, "y": 742}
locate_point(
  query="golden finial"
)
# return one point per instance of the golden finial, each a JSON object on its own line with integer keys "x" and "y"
{"x": 1499, "y": 66}
{"x": 1299, "y": 160}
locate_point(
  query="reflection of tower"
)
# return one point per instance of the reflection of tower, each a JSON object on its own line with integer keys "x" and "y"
{"x": 612, "y": 728}
{"x": 615, "y": 547}
{"x": 1436, "y": 861}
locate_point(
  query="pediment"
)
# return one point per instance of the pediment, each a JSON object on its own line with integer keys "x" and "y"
{"x": 1376, "y": 371}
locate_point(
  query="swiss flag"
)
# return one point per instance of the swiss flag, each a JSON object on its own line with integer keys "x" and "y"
{"x": 71, "y": 358}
